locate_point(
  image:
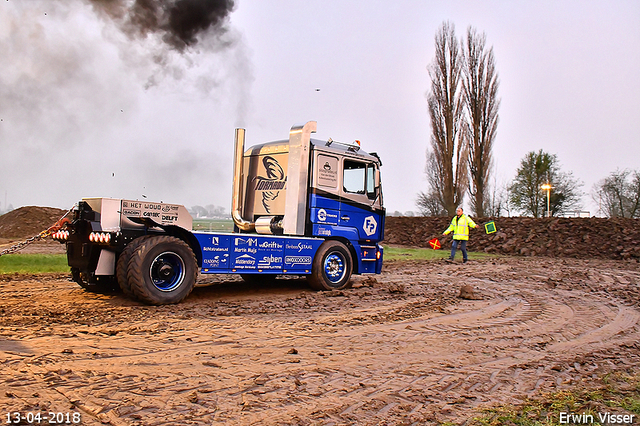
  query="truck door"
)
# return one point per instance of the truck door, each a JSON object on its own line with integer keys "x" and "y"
{"x": 361, "y": 201}
{"x": 346, "y": 198}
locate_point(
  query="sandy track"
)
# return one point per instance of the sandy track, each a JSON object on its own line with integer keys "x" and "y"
{"x": 398, "y": 349}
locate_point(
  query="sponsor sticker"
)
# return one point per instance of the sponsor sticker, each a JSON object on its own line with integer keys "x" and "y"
{"x": 216, "y": 261}
{"x": 327, "y": 171}
{"x": 165, "y": 213}
{"x": 206, "y": 248}
{"x": 329, "y": 217}
{"x": 299, "y": 247}
{"x": 324, "y": 231}
{"x": 269, "y": 262}
{"x": 251, "y": 242}
{"x": 270, "y": 245}
{"x": 298, "y": 260}
{"x": 245, "y": 260}
{"x": 131, "y": 204}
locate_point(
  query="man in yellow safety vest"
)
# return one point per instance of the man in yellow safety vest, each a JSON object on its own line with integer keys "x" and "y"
{"x": 460, "y": 226}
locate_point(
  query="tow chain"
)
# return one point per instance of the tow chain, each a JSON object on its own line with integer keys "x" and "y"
{"x": 41, "y": 236}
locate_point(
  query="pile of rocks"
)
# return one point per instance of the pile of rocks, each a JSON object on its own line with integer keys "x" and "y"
{"x": 565, "y": 237}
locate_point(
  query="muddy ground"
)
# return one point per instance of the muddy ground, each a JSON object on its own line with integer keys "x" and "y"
{"x": 400, "y": 348}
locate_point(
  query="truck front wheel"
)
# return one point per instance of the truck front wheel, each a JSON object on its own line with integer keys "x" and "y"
{"x": 162, "y": 270}
{"x": 332, "y": 267}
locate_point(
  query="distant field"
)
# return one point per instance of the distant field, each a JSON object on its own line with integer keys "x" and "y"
{"x": 220, "y": 225}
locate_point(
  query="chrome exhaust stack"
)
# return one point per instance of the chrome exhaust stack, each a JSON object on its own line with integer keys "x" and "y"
{"x": 295, "y": 210}
{"x": 238, "y": 179}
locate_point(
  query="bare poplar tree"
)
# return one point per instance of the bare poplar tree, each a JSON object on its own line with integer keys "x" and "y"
{"x": 447, "y": 170}
{"x": 480, "y": 88}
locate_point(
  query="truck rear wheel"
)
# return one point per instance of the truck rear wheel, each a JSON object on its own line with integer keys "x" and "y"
{"x": 123, "y": 264}
{"x": 332, "y": 267}
{"x": 162, "y": 270}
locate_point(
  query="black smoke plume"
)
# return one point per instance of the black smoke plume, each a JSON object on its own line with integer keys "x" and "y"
{"x": 179, "y": 23}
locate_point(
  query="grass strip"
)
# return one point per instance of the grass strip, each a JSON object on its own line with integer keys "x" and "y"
{"x": 392, "y": 253}
{"x": 33, "y": 263}
{"x": 618, "y": 395}
{"x": 40, "y": 263}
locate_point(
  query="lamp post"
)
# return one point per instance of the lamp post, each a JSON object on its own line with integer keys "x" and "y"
{"x": 548, "y": 187}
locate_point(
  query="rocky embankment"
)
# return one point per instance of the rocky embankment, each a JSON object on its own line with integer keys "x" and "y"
{"x": 564, "y": 237}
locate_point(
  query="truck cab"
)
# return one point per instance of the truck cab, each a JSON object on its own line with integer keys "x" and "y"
{"x": 345, "y": 199}
{"x": 309, "y": 187}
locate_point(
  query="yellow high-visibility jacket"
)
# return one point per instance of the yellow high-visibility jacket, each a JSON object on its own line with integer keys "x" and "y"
{"x": 460, "y": 227}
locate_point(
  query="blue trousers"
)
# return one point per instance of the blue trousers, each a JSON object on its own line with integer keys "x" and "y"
{"x": 462, "y": 244}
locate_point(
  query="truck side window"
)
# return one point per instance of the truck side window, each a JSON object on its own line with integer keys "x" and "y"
{"x": 354, "y": 177}
{"x": 371, "y": 182}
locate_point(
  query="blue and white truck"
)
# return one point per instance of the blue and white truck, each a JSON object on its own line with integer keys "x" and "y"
{"x": 300, "y": 207}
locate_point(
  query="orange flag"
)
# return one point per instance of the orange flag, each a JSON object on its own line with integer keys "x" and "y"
{"x": 435, "y": 244}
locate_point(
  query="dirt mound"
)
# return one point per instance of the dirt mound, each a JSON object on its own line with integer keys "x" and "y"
{"x": 564, "y": 237}
{"x": 28, "y": 221}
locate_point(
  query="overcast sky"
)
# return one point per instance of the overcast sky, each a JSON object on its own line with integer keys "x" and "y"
{"x": 91, "y": 107}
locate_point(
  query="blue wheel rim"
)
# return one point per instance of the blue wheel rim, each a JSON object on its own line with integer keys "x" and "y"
{"x": 167, "y": 271}
{"x": 334, "y": 267}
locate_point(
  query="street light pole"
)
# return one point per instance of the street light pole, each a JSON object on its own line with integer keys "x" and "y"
{"x": 548, "y": 188}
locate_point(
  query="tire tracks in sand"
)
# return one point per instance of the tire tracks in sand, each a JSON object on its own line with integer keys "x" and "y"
{"x": 381, "y": 356}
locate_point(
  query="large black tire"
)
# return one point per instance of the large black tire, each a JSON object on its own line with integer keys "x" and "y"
{"x": 162, "y": 270}
{"x": 123, "y": 264}
{"x": 332, "y": 267}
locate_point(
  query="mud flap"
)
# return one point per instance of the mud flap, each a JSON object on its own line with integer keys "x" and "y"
{"x": 106, "y": 263}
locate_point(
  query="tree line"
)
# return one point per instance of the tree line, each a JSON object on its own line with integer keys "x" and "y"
{"x": 618, "y": 195}
{"x": 208, "y": 211}
{"x": 463, "y": 109}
